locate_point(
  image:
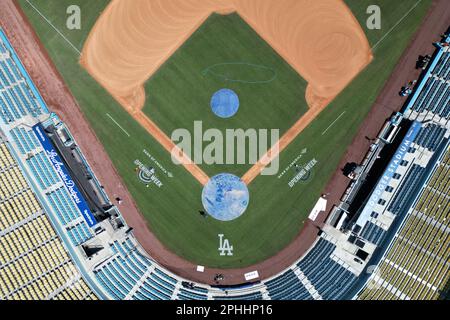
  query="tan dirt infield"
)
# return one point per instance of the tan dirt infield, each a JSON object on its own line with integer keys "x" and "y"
{"x": 321, "y": 40}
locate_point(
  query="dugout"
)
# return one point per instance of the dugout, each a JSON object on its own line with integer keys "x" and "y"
{"x": 372, "y": 174}
{"x": 82, "y": 177}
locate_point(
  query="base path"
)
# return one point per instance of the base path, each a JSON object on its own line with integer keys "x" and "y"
{"x": 284, "y": 141}
{"x": 59, "y": 100}
{"x": 168, "y": 144}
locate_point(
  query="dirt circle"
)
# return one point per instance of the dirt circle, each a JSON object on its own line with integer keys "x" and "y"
{"x": 321, "y": 40}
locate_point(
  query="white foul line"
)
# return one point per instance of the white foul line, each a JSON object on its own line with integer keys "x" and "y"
{"x": 332, "y": 124}
{"x": 109, "y": 116}
{"x": 398, "y": 22}
{"x": 56, "y": 29}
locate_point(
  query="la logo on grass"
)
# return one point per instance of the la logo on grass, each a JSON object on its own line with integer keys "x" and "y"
{"x": 225, "y": 248}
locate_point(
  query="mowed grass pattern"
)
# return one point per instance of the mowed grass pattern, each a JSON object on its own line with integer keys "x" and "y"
{"x": 225, "y": 52}
{"x": 276, "y": 212}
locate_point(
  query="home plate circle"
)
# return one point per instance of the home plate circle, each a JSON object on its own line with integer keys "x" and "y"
{"x": 225, "y": 197}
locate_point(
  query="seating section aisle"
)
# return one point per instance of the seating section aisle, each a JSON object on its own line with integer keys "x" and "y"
{"x": 33, "y": 261}
{"x": 330, "y": 279}
{"x": 130, "y": 275}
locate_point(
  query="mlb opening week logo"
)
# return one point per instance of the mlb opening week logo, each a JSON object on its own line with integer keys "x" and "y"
{"x": 235, "y": 146}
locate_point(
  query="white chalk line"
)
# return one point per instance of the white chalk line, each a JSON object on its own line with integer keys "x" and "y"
{"x": 53, "y": 26}
{"x": 76, "y": 49}
{"x": 398, "y": 22}
{"x": 332, "y": 124}
{"x": 117, "y": 124}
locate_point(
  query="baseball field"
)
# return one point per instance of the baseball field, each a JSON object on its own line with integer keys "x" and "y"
{"x": 272, "y": 95}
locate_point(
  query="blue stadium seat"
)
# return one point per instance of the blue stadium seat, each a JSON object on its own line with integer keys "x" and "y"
{"x": 430, "y": 136}
{"x": 249, "y": 296}
{"x": 410, "y": 186}
{"x": 372, "y": 233}
{"x": 184, "y": 294}
{"x": 287, "y": 286}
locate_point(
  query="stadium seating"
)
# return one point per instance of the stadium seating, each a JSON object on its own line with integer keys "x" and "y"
{"x": 250, "y": 296}
{"x": 434, "y": 97}
{"x": 372, "y": 233}
{"x": 287, "y": 287}
{"x": 196, "y": 293}
{"x": 417, "y": 264}
{"x": 334, "y": 284}
{"x": 429, "y": 85}
{"x": 443, "y": 65}
{"x": 316, "y": 256}
{"x": 51, "y": 184}
{"x": 430, "y": 136}
{"x": 130, "y": 274}
{"x": 324, "y": 273}
{"x": 47, "y": 178}
{"x": 17, "y": 99}
{"x": 409, "y": 187}
{"x": 79, "y": 233}
{"x": 329, "y": 278}
{"x": 33, "y": 262}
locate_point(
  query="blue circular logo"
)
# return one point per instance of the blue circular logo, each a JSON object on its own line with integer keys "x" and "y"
{"x": 225, "y": 197}
{"x": 225, "y": 103}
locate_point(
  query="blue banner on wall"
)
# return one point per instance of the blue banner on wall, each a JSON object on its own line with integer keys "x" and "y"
{"x": 61, "y": 169}
{"x": 389, "y": 172}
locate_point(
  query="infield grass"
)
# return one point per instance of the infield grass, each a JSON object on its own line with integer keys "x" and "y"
{"x": 225, "y": 52}
{"x": 276, "y": 212}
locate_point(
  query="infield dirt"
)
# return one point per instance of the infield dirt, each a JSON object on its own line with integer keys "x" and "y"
{"x": 322, "y": 41}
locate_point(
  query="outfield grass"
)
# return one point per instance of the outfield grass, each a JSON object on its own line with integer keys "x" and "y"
{"x": 271, "y": 92}
{"x": 276, "y": 212}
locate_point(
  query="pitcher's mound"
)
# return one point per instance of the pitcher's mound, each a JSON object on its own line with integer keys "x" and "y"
{"x": 225, "y": 103}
